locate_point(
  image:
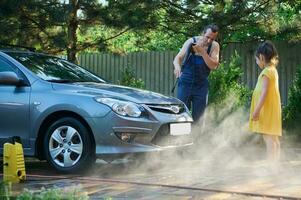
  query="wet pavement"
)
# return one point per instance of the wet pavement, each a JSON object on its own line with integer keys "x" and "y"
{"x": 223, "y": 174}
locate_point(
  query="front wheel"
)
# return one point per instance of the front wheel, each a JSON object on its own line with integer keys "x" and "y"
{"x": 67, "y": 145}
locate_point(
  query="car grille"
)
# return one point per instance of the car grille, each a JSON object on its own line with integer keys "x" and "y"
{"x": 163, "y": 138}
{"x": 167, "y": 108}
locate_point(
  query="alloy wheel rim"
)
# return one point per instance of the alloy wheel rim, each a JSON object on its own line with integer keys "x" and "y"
{"x": 65, "y": 146}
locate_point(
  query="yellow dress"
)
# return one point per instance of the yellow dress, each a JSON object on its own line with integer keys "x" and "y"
{"x": 270, "y": 114}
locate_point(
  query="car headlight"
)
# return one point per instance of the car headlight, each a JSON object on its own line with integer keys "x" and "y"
{"x": 123, "y": 108}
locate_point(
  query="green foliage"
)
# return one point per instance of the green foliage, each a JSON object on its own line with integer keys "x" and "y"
{"x": 129, "y": 79}
{"x": 5, "y": 190}
{"x": 154, "y": 40}
{"x": 292, "y": 112}
{"x": 53, "y": 26}
{"x": 288, "y": 19}
{"x": 225, "y": 90}
{"x": 73, "y": 193}
{"x": 125, "y": 26}
{"x": 130, "y": 41}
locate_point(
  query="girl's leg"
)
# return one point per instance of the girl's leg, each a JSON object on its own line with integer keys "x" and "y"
{"x": 277, "y": 148}
{"x": 269, "y": 146}
{"x": 273, "y": 147}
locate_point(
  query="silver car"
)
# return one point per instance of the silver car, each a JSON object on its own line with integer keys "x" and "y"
{"x": 69, "y": 116}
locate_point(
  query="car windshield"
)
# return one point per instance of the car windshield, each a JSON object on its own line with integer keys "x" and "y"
{"x": 55, "y": 69}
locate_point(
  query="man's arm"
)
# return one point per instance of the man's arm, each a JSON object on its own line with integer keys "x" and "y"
{"x": 179, "y": 58}
{"x": 211, "y": 60}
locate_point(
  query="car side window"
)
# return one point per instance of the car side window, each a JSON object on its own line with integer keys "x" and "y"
{"x": 5, "y": 67}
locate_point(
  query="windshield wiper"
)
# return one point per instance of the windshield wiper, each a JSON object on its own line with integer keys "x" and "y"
{"x": 61, "y": 81}
{"x": 73, "y": 81}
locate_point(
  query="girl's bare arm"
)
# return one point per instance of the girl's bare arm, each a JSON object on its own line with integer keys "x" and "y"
{"x": 265, "y": 85}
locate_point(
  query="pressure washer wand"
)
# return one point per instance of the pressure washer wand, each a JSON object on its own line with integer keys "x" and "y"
{"x": 174, "y": 85}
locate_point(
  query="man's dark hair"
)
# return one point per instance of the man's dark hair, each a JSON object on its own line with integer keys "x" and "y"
{"x": 213, "y": 27}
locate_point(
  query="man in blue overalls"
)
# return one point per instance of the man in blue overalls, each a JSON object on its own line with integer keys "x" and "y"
{"x": 198, "y": 56}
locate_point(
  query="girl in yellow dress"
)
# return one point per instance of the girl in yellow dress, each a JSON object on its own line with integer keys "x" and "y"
{"x": 265, "y": 114}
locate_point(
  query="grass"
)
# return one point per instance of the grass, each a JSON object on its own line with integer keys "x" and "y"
{"x": 54, "y": 193}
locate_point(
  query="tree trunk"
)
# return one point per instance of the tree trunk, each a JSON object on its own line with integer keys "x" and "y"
{"x": 72, "y": 28}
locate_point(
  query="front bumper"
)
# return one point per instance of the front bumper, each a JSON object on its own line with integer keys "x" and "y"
{"x": 151, "y": 132}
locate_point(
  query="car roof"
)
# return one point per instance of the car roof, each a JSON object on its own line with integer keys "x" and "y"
{"x": 4, "y": 50}
{"x": 24, "y": 52}
{"x": 19, "y": 49}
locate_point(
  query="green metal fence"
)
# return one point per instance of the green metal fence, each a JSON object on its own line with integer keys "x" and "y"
{"x": 156, "y": 68}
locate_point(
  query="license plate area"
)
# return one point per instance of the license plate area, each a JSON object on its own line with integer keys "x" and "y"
{"x": 180, "y": 128}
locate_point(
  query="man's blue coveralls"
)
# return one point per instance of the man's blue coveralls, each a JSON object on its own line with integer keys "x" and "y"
{"x": 193, "y": 85}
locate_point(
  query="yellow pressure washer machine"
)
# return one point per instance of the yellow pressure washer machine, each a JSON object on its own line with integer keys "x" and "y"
{"x": 13, "y": 161}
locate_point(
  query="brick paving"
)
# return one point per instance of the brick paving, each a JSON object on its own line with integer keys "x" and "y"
{"x": 233, "y": 171}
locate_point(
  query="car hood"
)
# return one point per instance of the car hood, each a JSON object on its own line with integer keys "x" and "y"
{"x": 118, "y": 92}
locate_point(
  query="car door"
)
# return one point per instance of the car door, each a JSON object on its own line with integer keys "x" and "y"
{"x": 14, "y": 107}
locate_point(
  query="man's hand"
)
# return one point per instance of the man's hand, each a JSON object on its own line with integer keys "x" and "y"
{"x": 177, "y": 72}
{"x": 200, "y": 49}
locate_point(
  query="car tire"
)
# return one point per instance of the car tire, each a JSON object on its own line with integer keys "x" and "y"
{"x": 67, "y": 146}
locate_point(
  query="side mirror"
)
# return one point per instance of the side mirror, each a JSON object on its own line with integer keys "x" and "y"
{"x": 11, "y": 78}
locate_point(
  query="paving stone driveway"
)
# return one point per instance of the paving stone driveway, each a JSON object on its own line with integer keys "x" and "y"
{"x": 191, "y": 172}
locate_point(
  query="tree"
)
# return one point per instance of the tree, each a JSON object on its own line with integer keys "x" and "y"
{"x": 34, "y": 23}
{"x": 292, "y": 111}
{"x": 57, "y": 26}
{"x": 54, "y": 25}
{"x": 238, "y": 20}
